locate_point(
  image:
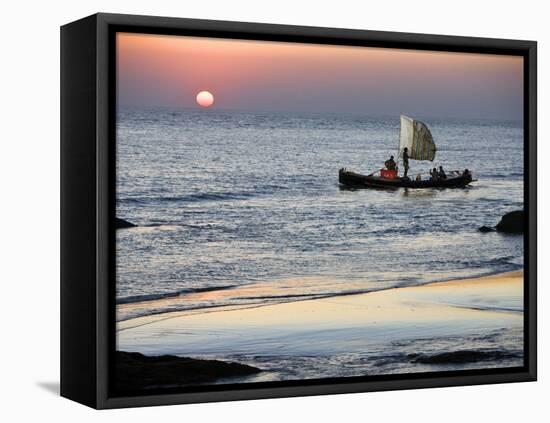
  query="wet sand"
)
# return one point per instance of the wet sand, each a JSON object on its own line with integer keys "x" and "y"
{"x": 479, "y": 322}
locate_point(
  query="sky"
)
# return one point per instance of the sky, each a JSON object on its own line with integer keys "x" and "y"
{"x": 167, "y": 70}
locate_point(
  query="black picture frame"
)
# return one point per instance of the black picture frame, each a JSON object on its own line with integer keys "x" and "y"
{"x": 88, "y": 192}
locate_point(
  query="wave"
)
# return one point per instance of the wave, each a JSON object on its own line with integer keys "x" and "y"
{"x": 489, "y": 308}
{"x": 201, "y": 307}
{"x": 154, "y": 297}
{"x": 505, "y": 175}
{"x": 255, "y": 191}
{"x": 191, "y": 198}
{"x": 316, "y": 295}
{"x": 172, "y": 226}
{"x": 502, "y": 264}
{"x": 156, "y": 302}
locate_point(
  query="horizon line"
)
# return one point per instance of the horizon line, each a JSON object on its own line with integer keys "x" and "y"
{"x": 316, "y": 113}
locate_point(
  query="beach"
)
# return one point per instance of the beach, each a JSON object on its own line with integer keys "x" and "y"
{"x": 452, "y": 325}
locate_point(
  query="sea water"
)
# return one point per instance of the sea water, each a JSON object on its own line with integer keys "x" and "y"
{"x": 247, "y": 205}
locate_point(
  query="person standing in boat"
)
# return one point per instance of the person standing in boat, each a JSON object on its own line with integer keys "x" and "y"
{"x": 441, "y": 174}
{"x": 406, "y": 161}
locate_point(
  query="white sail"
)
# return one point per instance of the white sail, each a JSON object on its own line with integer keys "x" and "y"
{"x": 418, "y": 139}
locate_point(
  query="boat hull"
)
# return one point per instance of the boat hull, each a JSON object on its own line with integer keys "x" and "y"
{"x": 356, "y": 180}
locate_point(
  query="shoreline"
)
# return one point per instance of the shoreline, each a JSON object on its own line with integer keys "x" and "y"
{"x": 452, "y": 325}
{"x": 178, "y": 298}
{"x": 125, "y": 322}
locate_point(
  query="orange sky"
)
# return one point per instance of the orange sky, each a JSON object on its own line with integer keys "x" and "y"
{"x": 160, "y": 70}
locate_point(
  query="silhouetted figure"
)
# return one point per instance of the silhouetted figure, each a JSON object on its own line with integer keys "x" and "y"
{"x": 406, "y": 161}
{"x": 390, "y": 163}
{"x": 441, "y": 174}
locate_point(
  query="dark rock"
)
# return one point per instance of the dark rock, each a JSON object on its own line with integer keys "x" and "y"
{"x": 486, "y": 229}
{"x": 135, "y": 371}
{"x": 512, "y": 223}
{"x": 122, "y": 224}
{"x": 463, "y": 356}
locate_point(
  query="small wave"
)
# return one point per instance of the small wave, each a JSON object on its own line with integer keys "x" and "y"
{"x": 168, "y": 226}
{"x": 283, "y": 296}
{"x": 489, "y": 308}
{"x": 158, "y": 225}
{"x": 155, "y": 297}
{"x": 155, "y": 227}
{"x": 254, "y": 191}
{"x": 490, "y": 200}
{"x": 215, "y": 196}
{"x": 191, "y": 198}
{"x": 497, "y": 265}
{"x": 414, "y": 230}
{"x": 317, "y": 295}
{"x": 237, "y": 298}
{"x": 506, "y": 175}
{"x": 145, "y": 297}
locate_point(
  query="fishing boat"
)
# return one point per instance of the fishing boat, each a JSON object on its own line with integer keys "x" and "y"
{"x": 356, "y": 180}
{"x": 417, "y": 138}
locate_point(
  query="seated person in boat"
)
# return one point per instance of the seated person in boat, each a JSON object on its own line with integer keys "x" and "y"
{"x": 466, "y": 173}
{"x": 433, "y": 174}
{"x": 441, "y": 173}
{"x": 418, "y": 177}
{"x": 390, "y": 163}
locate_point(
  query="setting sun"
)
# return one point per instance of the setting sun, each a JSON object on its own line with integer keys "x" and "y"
{"x": 205, "y": 99}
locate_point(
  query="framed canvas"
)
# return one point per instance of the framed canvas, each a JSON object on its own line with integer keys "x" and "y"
{"x": 257, "y": 211}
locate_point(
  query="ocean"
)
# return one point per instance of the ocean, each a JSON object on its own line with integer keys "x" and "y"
{"x": 247, "y": 206}
{"x": 238, "y": 210}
